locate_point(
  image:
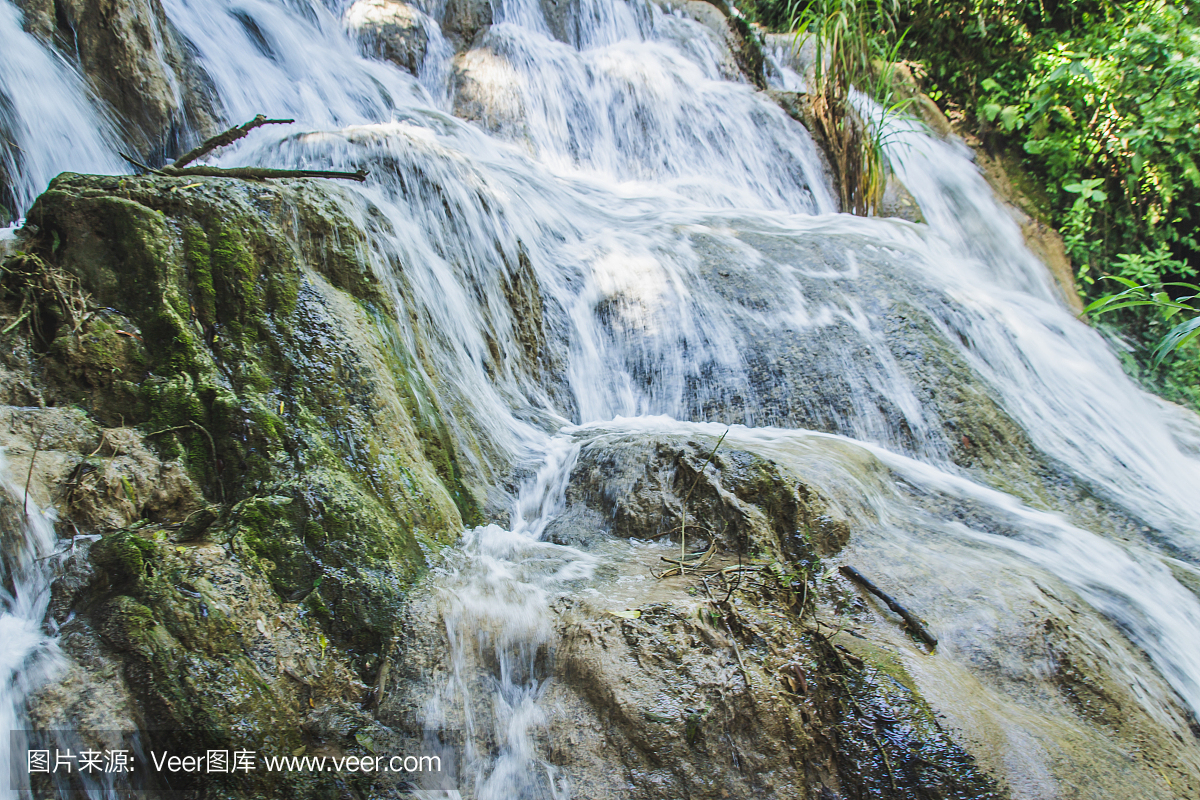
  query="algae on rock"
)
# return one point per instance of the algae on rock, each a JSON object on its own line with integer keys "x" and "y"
{"x": 239, "y": 326}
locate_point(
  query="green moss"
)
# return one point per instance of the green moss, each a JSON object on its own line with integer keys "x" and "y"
{"x": 128, "y": 625}
{"x": 195, "y": 243}
{"x": 123, "y": 557}
{"x": 437, "y": 445}
{"x": 282, "y": 388}
{"x": 237, "y": 270}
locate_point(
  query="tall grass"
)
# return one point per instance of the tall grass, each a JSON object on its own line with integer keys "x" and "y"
{"x": 856, "y": 49}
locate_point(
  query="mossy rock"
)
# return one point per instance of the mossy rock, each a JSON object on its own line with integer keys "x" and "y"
{"x": 121, "y": 558}
{"x": 249, "y": 335}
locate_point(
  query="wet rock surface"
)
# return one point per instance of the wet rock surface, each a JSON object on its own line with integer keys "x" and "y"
{"x": 390, "y": 30}
{"x": 137, "y": 63}
{"x": 246, "y": 488}
{"x": 705, "y": 685}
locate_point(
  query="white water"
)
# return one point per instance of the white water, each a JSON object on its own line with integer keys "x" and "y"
{"x": 29, "y": 657}
{"x": 47, "y": 123}
{"x": 640, "y": 186}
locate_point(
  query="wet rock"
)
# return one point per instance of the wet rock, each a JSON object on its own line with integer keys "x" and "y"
{"x": 658, "y": 690}
{"x": 137, "y": 63}
{"x": 748, "y": 707}
{"x": 248, "y": 353}
{"x": 241, "y": 374}
{"x": 899, "y": 202}
{"x": 487, "y": 91}
{"x": 743, "y": 501}
{"x": 391, "y": 30}
{"x": 464, "y": 20}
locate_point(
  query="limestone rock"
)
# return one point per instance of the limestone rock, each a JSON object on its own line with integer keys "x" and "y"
{"x": 240, "y": 363}
{"x": 487, "y": 91}
{"x": 899, "y": 202}
{"x": 390, "y": 30}
{"x": 464, "y": 20}
{"x": 137, "y": 63}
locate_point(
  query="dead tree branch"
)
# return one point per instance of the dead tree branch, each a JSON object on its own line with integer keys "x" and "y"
{"x": 260, "y": 173}
{"x": 915, "y": 624}
{"x": 228, "y": 137}
{"x": 180, "y": 169}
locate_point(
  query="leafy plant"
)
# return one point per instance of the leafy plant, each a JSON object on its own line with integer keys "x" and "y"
{"x": 856, "y": 49}
{"x": 1155, "y": 296}
{"x": 1100, "y": 98}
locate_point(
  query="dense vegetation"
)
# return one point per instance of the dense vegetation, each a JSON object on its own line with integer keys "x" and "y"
{"x": 1097, "y": 100}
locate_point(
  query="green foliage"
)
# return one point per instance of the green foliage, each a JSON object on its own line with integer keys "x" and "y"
{"x": 1155, "y": 296}
{"x": 1101, "y": 97}
{"x": 857, "y": 47}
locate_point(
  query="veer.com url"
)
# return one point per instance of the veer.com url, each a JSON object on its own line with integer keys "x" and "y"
{"x": 367, "y": 764}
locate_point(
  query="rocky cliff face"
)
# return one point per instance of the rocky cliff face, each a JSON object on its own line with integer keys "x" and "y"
{"x": 235, "y": 411}
{"x": 267, "y": 476}
{"x": 136, "y": 63}
{"x": 268, "y": 481}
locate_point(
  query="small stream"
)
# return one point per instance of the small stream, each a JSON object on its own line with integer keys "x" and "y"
{"x": 29, "y": 657}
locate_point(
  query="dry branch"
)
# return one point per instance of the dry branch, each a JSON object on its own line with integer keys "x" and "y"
{"x": 180, "y": 169}
{"x": 913, "y": 623}
{"x": 261, "y": 173}
{"x": 29, "y": 475}
{"x": 683, "y": 518}
{"x": 228, "y": 137}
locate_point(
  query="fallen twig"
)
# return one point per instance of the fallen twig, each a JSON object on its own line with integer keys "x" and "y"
{"x": 913, "y": 623}
{"x": 683, "y": 517}
{"x": 227, "y": 137}
{"x": 18, "y": 321}
{"x": 139, "y": 164}
{"x": 261, "y": 173}
{"x": 29, "y": 475}
{"x": 694, "y": 560}
{"x": 181, "y": 169}
{"x": 211, "y": 444}
{"x": 732, "y": 639}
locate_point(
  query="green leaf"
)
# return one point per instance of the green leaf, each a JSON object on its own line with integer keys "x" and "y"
{"x": 1190, "y": 171}
{"x": 1010, "y": 118}
{"x": 1127, "y": 304}
{"x": 1180, "y": 335}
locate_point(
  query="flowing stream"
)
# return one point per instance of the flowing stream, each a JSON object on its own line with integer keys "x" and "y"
{"x": 29, "y": 657}
{"x": 682, "y": 236}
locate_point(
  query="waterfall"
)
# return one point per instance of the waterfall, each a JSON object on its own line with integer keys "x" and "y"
{"x": 30, "y": 657}
{"x": 681, "y": 234}
{"x": 47, "y": 122}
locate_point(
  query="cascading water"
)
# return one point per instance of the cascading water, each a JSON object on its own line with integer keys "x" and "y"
{"x": 495, "y": 603}
{"x": 30, "y": 658}
{"x": 47, "y": 123}
{"x": 678, "y": 228}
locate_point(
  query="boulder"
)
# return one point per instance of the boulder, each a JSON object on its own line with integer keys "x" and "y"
{"x": 464, "y": 20}
{"x": 390, "y": 30}
{"x": 137, "y": 63}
